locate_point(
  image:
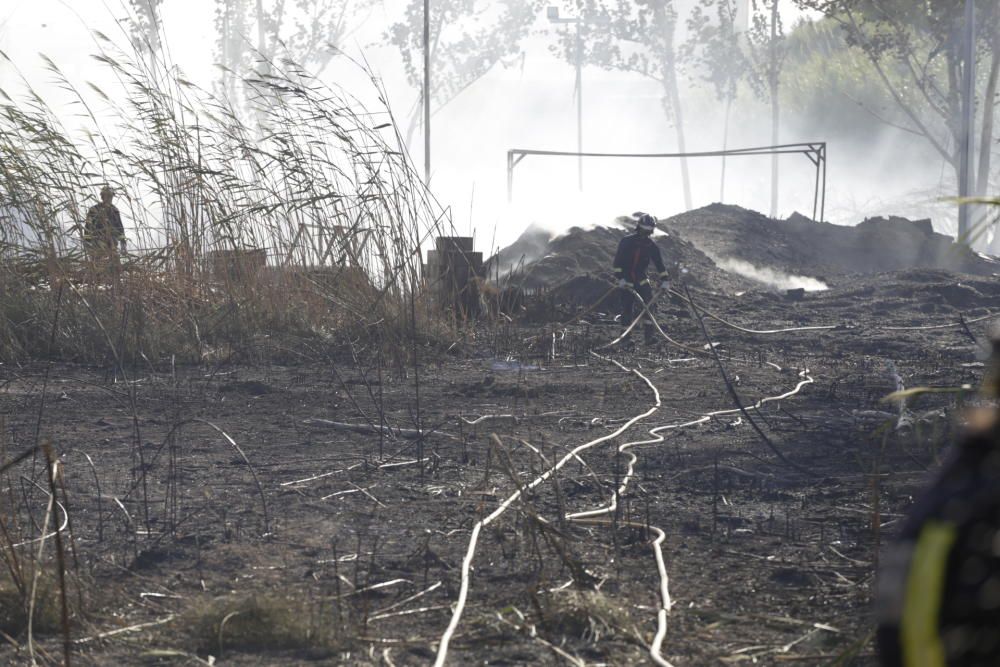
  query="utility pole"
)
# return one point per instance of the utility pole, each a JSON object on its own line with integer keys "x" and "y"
{"x": 427, "y": 92}
{"x": 773, "y": 82}
{"x": 553, "y": 16}
{"x": 579, "y": 106}
{"x": 967, "y": 146}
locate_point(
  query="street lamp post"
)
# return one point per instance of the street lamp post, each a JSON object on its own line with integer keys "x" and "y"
{"x": 553, "y": 14}
{"x": 967, "y": 148}
{"x": 427, "y": 92}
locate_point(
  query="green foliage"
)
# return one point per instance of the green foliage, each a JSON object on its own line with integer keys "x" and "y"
{"x": 253, "y": 34}
{"x": 146, "y": 22}
{"x": 468, "y": 38}
{"x": 629, "y": 37}
{"x": 835, "y": 85}
{"x": 581, "y": 614}
{"x": 714, "y": 47}
{"x": 15, "y": 604}
{"x": 261, "y": 623}
{"x": 915, "y": 50}
{"x": 767, "y": 48}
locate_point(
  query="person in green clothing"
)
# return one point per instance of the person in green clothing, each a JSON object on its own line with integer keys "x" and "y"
{"x": 103, "y": 232}
{"x": 939, "y": 586}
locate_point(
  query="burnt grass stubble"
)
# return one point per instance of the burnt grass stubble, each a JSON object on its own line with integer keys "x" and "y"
{"x": 765, "y": 562}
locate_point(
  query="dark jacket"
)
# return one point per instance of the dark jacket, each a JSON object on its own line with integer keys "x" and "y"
{"x": 635, "y": 251}
{"x": 103, "y": 226}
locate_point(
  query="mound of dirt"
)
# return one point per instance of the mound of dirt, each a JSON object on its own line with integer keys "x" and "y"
{"x": 529, "y": 246}
{"x": 916, "y": 297}
{"x": 579, "y": 291}
{"x": 803, "y": 246}
{"x": 576, "y": 267}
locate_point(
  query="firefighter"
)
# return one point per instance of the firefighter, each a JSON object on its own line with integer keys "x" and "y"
{"x": 103, "y": 232}
{"x": 635, "y": 252}
{"x": 939, "y": 585}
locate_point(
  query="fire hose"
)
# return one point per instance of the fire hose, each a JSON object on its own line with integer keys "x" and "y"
{"x": 588, "y": 516}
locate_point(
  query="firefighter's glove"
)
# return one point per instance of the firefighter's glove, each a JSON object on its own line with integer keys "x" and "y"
{"x": 622, "y": 283}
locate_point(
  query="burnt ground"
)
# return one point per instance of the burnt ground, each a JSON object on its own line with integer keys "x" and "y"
{"x": 802, "y": 246}
{"x": 728, "y": 250}
{"x": 357, "y": 558}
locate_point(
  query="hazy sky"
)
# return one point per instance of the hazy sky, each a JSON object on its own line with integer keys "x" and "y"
{"x": 529, "y": 106}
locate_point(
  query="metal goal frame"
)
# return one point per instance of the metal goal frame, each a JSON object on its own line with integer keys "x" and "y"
{"x": 814, "y": 151}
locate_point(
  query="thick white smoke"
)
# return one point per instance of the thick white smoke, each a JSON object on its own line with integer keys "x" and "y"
{"x": 771, "y": 277}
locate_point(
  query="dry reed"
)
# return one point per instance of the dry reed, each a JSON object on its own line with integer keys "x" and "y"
{"x": 253, "y": 231}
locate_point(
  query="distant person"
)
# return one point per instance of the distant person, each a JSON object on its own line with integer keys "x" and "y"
{"x": 103, "y": 233}
{"x": 635, "y": 252}
{"x": 939, "y": 584}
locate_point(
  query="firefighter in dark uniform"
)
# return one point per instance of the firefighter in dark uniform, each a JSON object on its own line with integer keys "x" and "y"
{"x": 103, "y": 231}
{"x": 939, "y": 585}
{"x": 635, "y": 252}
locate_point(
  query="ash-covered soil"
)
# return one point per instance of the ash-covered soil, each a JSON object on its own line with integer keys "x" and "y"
{"x": 357, "y": 558}
{"x": 541, "y": 261}
{"x": 802, "y": 246}
{"x": 729, "y": 249}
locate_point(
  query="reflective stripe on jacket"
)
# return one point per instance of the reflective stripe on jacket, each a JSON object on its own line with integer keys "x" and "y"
{"x": 632, "y": 259}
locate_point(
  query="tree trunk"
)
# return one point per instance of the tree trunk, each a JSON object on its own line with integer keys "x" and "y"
{"x": 668, "y": 63}
{"x": 773, "y": 84}
{"x": 725, "y": 147}
{"x": 228, "y": 59}
{"x": 414, "y": 122}
{"x": 986, "y": 140}
{"x": 989, "y": 109}
{"x": 775, "y": 137}
{"x": 675, "y": 101}
{"x": 261, "y": 41}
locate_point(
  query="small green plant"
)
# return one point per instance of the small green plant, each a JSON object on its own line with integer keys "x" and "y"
{"x": 587, "y": 615}
{"x": 14, "y": 608}
{"x": 262, "y": 623}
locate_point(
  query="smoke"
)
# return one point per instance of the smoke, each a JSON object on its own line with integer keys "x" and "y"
{"x": 771, "y": 277}
{"x": 881, "y": 171}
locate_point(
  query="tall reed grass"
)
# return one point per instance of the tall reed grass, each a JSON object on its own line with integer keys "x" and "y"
{"x": 301, "y": 174}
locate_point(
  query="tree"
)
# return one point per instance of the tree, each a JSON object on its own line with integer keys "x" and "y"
{"x": 468, "y": 38}
{"x": 833, "y": 85}
{"x": 915, "y": 50}
{"x": 767, "y": 43}
{"x": 307, "y": 32}
{"x": 714, "y": 49}
{"x": 638, "y": 37}
{"x": 146, "y": 22}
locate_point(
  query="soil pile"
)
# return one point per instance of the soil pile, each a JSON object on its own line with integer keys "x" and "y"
{"x": 800, "y": 245}
{"x": 531, "y": 245}
{"x": 576, "y": 267}
{"x": 728, "y": 250}
{"x": 915, "y": 297}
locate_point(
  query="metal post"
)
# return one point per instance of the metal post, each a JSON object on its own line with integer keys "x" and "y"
{"x": 553, "y": 16}
{"x": 510, "y": 176}
{"x": 819, "y": 167}
{"x": 822, "y": 206}
{"x": 967, "y": 148}
{"x": 579, "y": 104}
{"x": 427, "y": 92}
